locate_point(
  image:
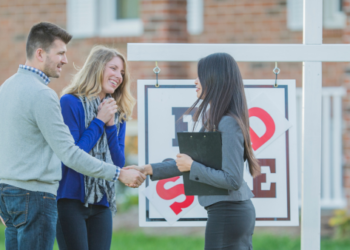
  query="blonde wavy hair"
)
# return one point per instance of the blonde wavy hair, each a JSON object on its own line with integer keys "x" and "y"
{"x": 88, "y": 80}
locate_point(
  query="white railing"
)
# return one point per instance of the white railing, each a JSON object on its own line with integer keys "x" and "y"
{"x": 332, "y": 195}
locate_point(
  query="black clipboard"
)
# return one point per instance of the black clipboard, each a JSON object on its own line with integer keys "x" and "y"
{"x": 205, "y": 148}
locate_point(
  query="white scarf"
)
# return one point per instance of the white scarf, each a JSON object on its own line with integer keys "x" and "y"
{"x": 95, "y": 188}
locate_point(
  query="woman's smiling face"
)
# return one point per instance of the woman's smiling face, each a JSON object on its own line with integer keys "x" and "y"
{"x": 198, "y": 87}
{"x": 113, "y": 76}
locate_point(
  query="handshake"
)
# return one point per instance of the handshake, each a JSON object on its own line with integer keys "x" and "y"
{"x": 133, "y": 176}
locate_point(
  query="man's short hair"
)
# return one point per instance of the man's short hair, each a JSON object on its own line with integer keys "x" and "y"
{"x": 42, "y": 35}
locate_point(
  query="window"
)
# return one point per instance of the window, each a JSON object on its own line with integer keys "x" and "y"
{"x": 112, "y": 18}
{"x": 120, "y": 18}
{"x": 333, "y": 15}
{"x": 127, "y": 9}
{"x": 104, "y": 18}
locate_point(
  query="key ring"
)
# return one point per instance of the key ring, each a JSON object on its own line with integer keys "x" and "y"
{"x": 276, "y": 71}
{"x": 156, "y": 70}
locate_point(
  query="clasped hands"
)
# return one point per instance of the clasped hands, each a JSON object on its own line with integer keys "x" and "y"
{"x": 106, "y": 111}
{"x": 183, "y": 163}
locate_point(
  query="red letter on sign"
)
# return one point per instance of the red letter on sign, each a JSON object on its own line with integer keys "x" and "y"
{"x": 258, "y": 193}
{"x": 171, "y": 193}
{"x": 257, "y": 141}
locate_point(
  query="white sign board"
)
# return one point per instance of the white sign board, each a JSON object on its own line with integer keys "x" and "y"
{"x": 273, "y": 132}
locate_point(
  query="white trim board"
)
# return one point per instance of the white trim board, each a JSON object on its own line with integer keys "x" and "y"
{"x": 240, "y": 52}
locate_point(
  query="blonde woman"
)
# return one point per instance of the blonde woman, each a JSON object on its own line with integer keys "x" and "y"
{"x": 95, "y": 107}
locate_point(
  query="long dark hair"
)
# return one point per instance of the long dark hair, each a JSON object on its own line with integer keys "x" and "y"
{"x": 223, "y": 92}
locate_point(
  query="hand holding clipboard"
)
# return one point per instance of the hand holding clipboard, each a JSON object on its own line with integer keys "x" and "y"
{"x": 205, "y": 148}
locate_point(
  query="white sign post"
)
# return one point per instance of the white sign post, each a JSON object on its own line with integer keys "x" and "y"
{"x": 312, "y": 53}
{"x": 273, "y": 131}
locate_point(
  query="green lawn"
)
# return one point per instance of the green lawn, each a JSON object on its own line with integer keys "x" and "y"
{"x": 140, "y": 241}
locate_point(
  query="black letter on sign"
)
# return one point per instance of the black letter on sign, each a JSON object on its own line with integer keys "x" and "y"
{"x": 180, "y": 125}
{"x": 258, "y": 193}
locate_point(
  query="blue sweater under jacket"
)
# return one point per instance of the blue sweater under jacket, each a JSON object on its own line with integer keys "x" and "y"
{"x": 72, "y": 183}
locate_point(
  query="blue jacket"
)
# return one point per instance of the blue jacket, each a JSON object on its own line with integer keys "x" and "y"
{"x": 72, "y": 183}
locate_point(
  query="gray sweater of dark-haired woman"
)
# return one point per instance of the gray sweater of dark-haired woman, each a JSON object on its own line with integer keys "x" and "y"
{"x": 231, "y": 175}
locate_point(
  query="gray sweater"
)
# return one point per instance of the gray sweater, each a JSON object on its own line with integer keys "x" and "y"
{"x": 34, "y": 139}
{"x": 231, "y": 175}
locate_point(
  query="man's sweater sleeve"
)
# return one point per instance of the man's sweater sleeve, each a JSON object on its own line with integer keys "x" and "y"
{"x": 47, "y": 115}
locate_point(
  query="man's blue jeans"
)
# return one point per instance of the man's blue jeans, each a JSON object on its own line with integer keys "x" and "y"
{"x": 30, "y": 218}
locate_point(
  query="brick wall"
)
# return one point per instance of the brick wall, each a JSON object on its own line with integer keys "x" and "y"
{"x": 16, "y": 19}
{"x": 225, "y": 21}
{"x": 164, "y": 22}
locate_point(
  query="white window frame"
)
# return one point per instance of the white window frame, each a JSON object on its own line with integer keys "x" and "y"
{"x": 333, "y": 18}
{"x": 91, "y": 18}
{"x": 295, "y": 15}
{"x": 81, "y": 18}
{"x": 195, "y": 16}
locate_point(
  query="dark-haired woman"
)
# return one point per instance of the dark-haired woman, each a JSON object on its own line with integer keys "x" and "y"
{"x": 231, "y": 218}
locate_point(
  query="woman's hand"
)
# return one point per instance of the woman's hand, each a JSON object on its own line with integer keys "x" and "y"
{"x": 111, "y": 122}
{"x": 184, "y": 162}
{"x": 107, "y": 110}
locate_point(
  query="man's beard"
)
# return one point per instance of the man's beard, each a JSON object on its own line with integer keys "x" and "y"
{"x": 50, "y": 68}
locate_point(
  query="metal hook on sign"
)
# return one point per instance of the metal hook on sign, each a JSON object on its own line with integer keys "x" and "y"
{"x": 156, "y": 70}
{"x": 276, "y": 71}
